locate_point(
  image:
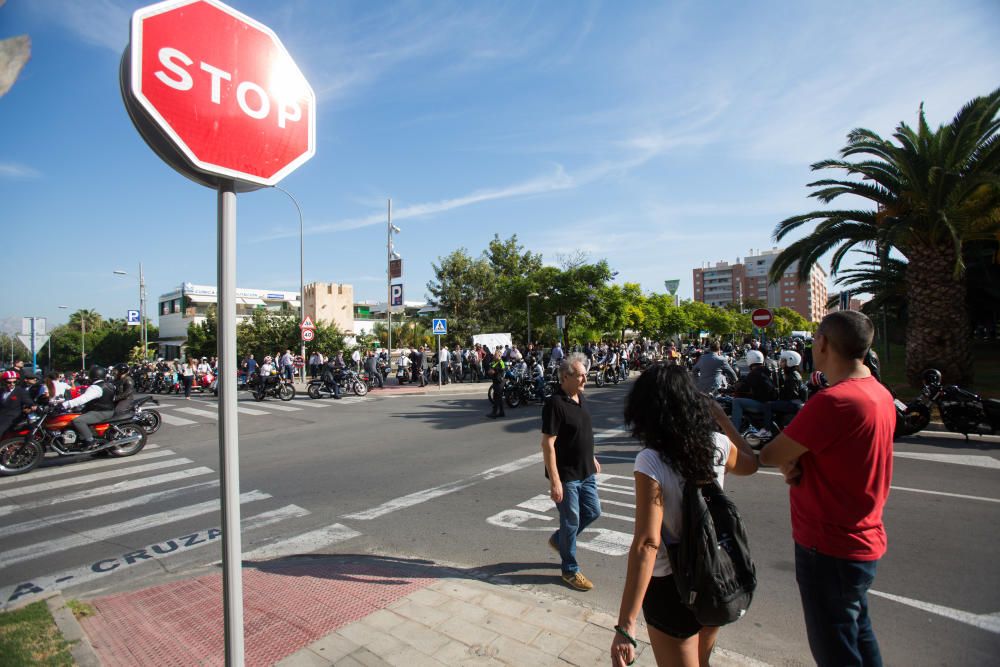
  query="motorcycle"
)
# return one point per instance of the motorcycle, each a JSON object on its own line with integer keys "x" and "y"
{"x": 205, "y": 382}
{"x": 753, "y": 421}
{"x": 524, "y": 390}
{"x": 273, "y": 385}
{"x": 23, "y": 447}
{"x": 606, "y": 373}
{"x": 962, "y": 411}
{"x": 149, "y": 420}
{"x": 349, "y": 381}
{"x": 403, "y": 375}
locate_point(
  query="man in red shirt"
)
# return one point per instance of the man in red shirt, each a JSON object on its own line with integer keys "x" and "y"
{"x": 837, "y": 455}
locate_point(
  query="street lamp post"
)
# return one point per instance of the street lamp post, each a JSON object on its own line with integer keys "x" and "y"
{"x": 391, "y": 228}
{"x": 83, "y": 340}
{"x": 528, "y": 302}
{"x": 142, "y": 310}
{"x": 302, "y": 289}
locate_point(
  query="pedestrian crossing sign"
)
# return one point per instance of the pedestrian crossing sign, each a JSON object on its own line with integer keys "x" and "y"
{"x": 440, "y": 326}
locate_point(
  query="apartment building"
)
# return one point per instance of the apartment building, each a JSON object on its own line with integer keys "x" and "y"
{"x": 724, "y": 283}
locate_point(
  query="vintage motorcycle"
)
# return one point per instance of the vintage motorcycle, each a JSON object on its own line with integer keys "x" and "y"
{"x": 272, "y": 385}
{"x": 23, "y": 447}
{"x": 349, "y": 380}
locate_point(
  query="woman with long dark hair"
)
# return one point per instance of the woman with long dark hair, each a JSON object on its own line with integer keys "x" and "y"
{"x": 678, "y": 428}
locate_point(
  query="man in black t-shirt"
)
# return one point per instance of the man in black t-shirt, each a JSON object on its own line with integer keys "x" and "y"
{"x": 570, "y": 465}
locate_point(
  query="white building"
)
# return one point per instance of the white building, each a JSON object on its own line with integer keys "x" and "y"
{"x": 188, "y": 304}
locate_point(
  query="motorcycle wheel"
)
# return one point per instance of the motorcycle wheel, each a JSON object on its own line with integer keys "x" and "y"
{"x": 150, "y": 422}
{"x": 547, "y": 390}
{"x": 286, "y": 392}
{"x": 126, "y": 430}
{"x": 258, "y": 395}
{"x": 916, "y": 418}
{"x": 599, "y": 379}
{"x": 18, "y": 456}
{"x": 489, "y": 393}
{"x": 313, "y": 391}
{"x": 360, "y": 388}
{"x": 513, "y": 397}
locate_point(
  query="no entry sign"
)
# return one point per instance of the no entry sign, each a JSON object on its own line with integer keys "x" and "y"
{"x": 216, "y": 94}
{"x": 761, "y": 317}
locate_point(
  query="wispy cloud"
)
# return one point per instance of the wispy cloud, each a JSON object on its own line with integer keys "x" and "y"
{"x": 102, "y": 23}
{"x": 18, "y": 171}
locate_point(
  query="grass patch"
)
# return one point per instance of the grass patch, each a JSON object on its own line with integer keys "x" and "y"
{"x": 29, "y": 636}
{"x": 985, "y": 356}
{"x": 80, "y": 609}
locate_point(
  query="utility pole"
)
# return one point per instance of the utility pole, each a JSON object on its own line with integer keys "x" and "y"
{"x": 388, "y": 276}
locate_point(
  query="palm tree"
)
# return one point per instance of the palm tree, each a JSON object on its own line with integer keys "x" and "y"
{"x": 92, "y": 318}
{"x": 884, "y": 279}
{"x": 934, "y": 191}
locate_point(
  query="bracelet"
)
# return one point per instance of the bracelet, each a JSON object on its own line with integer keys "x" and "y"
{"x": 620, "y": 630}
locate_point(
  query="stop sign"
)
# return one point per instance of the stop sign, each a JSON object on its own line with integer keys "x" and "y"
{"x": 216, "y": 94}
{"x": 761, "y": 317}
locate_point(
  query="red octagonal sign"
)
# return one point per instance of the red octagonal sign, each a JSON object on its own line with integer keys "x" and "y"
{"x": 222, "y": 92}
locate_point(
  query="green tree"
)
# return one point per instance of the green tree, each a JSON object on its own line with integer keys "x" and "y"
{"x": 203, "y": 337}
{"x": 934, "y": 192}
{"x": 462, "y": 291}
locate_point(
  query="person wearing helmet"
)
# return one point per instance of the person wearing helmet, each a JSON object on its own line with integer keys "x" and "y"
{"x": 14, "y": 400}
{"x": 98, "y": 403}
{"x": 792, "y": 391}
{"x": 124, "y": 389}
{"x": 932, "y": 377}
{"x": 754, "y": 392}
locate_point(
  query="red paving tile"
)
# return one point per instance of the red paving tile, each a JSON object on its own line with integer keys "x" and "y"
{"x": 285, "y": 608}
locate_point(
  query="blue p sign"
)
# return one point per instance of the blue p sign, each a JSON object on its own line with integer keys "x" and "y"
{"x": 133, "y": 317}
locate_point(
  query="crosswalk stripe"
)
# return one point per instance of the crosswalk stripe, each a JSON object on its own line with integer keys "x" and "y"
{"x": 176, "y": 421}
{"x": 304, "y": 543}
{"x": 311, "y": 402}
{"x": 200, "y": 413}
{"x": 84, "y": 573}
{"x": 120, "y": 487}
{"x": 76, "y": 515}
{"x": 279, "y": 408}
{"x": 14, "y": 556}
{"x": 250, "y": 411}
{"x": 76, "y": 468}
{"x": 87, "y": 479}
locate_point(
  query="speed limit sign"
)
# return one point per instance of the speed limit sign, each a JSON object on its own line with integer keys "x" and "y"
{"x": 308, "y": 335}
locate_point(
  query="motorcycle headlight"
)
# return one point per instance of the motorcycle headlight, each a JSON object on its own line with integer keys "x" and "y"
{"x": 33, "y": 417}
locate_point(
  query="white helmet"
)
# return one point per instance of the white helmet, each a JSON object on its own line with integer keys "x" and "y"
{"x": 755, "y": 357}
{"x": 791, "y": 358}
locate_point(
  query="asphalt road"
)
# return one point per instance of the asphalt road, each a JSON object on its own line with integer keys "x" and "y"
{"x": 429, "y": 478}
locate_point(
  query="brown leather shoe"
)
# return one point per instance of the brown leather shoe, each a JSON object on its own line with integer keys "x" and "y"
{"x": 578, "y": 581}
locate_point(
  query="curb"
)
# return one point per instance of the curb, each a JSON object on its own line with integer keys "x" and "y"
{"x": 80, "y": 647}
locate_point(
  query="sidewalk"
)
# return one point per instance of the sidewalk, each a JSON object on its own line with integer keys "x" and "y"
{"x": 393, "y": 389}
{"x": 357, "y": 610}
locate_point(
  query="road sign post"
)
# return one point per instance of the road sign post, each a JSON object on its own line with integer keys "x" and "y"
{"x": 439, "y": 327}
{"x": 198, "y": 81}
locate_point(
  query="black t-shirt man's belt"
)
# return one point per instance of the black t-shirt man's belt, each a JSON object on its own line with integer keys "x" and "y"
{"x": 570, "y": 422}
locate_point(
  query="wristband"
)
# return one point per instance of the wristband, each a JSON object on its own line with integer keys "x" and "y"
{"x": 620, "y": 630}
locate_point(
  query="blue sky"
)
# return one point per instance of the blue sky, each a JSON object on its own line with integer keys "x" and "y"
{"x": 658, "y": 135}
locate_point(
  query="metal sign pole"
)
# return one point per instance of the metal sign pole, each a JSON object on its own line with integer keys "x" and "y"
{"x": 232, "y": 548}
{"x": 34, "y": 358}
{"x": 440, "y": 369}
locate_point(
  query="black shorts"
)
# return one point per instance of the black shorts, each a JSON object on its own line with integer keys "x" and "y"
{"x": 663, "y": 610}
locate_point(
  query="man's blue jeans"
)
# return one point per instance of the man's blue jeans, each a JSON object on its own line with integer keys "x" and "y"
{"x": 741, "y": 404}
{"x": 834, "y": 594}
{"x": 579, "y": 508}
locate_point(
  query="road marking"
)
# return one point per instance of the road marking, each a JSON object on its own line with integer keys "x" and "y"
{"x": 988, "y": 622}
{"x": 81, "y": 538}
{"x": 176, "y": 421}
{"x": 279, "y": 408}
{"x": 601, "y": 540}
{"x": 911, "y": 490}
{"x": 86, "y": 479}
{"x": 958, "y": 459}
{"x": 438, "y": 491}
{"x": 76, "y": 515}
{"x": 612, "y": 457}
{"x": 304, "y": 543}
{"x": 120, "y": 487}
{"x": 159, "y": 551}
{"x": 250, "y": 411}
{"x": 617, "y": 432}
{"x": 93, "y": 464}
{"x": 200, "y": 413}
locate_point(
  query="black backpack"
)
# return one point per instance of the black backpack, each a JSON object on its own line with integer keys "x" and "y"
{"x": 712, "y": 568}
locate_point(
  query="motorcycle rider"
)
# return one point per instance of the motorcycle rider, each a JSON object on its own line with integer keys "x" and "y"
{"x": 331, "y": 373}
{"x": 712, "y": 370}
{"x": 403, "y": 364}
{"x": 14, "y": 400}
{"x": 754, "y": 391}
{"x": 497, "y": 371}
{"x": 99, "y": 402}
{"x": 792, "y": 390}
{"x": 124, "y": 389}
{"x": 371, "y": 367}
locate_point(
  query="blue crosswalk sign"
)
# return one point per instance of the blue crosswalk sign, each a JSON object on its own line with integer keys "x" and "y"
{"x": 440, "y": 326}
